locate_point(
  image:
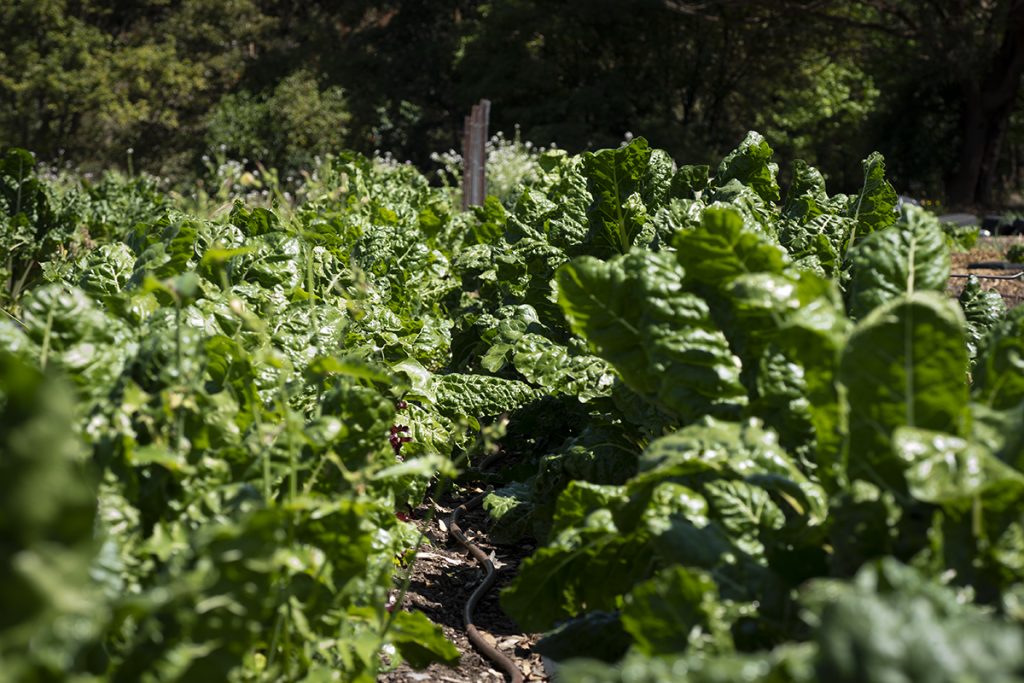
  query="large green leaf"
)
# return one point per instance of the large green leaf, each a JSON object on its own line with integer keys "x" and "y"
{"x": 813, "y": 229}
{"x": 724, "y": 248}
{"x": 806, "y": 196}
{"x": 904, "y": 365}
{"x": 272, "y": 261}
{"x": 761, "y": 301}
{"x": 479, "y": 395}
{"x": 584, "y": 568}
{"x": 810, "y": 341}
{"x": 580, "y": 498}
{"x": 59, "y": 317}
{"x": 893, "y": 624}
{"x": 558, "y": 371}
{"x": 689, "y": 181}
{"x": 874, "y": 207}
{"x": 999, "y": 373}
{"x": 675, "y": 610}
{"x": 946, "y": 469}
{"x": 421, "y": 642}
{"x": 751, "y": 164}
{"x": 908, "y": 257}
{"x": 615, "y": 178}
{"x": 107, "y": 270}
{"x": 555, "y": 208}
{"x": 817, "y": 245}
{"x": 712, "y": 450}
{"x": 982, "y": 308}
{"x": 73, "y": 333}
{"x": 758, "y": 307}
{"x": 634, "y": 313}
{"x": 551, "y": 366}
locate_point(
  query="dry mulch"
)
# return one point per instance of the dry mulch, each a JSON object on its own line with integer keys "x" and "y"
{"x": 443, "y": 578}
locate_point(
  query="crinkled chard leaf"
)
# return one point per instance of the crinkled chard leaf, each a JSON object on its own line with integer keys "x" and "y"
{"x": 874, "y": 207}
{"x": 634, "y": 313}
{"x": 480, "y": 395}
{"x": 556, "y": 370}
{"x": 806, "y": 198}
{"x": 819, "y": 244}
{"x": 689, "y": 182}
{"x": 982, "y": 309}
{"x": 904, "y": 365}
{"x": 677, "y": 609}
{"x": 617, "y": 179}
{"x": 107, "y": 270}
{"x": 999, "y": 373}
{"x": 724, "y": 248}
{"x": 583, "y": 568}
{"x": 717, "y": 450}
{"x": 751, "y": 164}
{"x": 908, "y": 257}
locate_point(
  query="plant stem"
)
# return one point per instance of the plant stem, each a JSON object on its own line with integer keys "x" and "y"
{"x": 179, "y": 425}
{"x": 44, "y": 354}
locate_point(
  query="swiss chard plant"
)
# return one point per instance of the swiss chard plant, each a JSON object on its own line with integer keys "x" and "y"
{"x": 754, "y": 438}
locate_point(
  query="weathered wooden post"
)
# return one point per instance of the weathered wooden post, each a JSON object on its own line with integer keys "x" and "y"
{"x": 474, "y": 155}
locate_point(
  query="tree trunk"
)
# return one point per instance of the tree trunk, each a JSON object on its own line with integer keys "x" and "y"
{"x": 988, "y": 103}
{"x": 990, "y": 159}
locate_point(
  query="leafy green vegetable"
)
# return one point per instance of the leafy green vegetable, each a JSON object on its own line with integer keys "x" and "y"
{"x": 590, "y": 565}
{"x": 618, "y": 179}
{"x": 900, "y": 260}
{"x": 48, "y": 494}
{"x": 694, "y": 426}
{"x": 750, "y": 164}
{"x": 982, "y": 309}
{"x": 660, "y": 339}
{"x": 999, "y": 374}
{"x": 722, "y": 249}
{"x": 675, "y": 603}
{"x": 903, "y": 366}
{"x": 890, "y": 624}
{"x": 874, "y": 207}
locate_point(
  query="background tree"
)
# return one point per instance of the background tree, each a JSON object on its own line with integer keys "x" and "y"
{"x": 934, "y": 85}
{"x": 953, "y": 73}
{"x": 94, "y": 78}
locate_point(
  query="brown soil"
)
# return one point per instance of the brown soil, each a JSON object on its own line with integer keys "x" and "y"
{"x": 443, "y": 578}
{"x": 989, "y": 249}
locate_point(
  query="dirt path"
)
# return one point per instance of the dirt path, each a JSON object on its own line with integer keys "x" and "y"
{"x": 443, "y": 578}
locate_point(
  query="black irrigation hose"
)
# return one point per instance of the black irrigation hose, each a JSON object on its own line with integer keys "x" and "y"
{"x": 995, "y": 265}
{"x": 485, "y": 648}
{"x": 1018, "y": 276}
